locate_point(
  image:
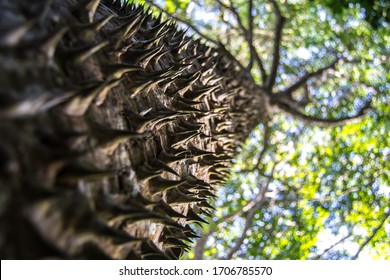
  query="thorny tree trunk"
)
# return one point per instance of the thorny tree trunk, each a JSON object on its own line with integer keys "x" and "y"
{"x": 115, "y": 129}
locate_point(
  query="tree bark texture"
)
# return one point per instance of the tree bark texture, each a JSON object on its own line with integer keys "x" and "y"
{"x": 115, "y": 130}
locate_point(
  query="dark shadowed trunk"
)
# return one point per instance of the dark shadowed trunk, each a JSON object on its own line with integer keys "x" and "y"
{"x": 115, "y": 129}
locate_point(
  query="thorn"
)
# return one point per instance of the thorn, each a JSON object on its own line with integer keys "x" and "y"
{"x": 176, "y": 197}
{"x": 156, "y": 30}
{"x": 207, "y": 53}
{"x": 165, "y": 209}
{"x": 187, "y": 101}
{"x": 142, "y": 200}
{"x": 109, "y": 139}
{"x": 189, "y": 232}
{"x": 89, "y": 30}
{"x": 171, "y": 158}
{"x": 203, "y": 183}
{"x": 158, "y": 56}
{"x": 190, "y": 60}
{"x": 127, "y": 30}
{"x": 91, "y": 7}
{"x": 206, "y": 194}
{"x": 207, "y": 213}
{"x": 159, "y": 18}
{"x": 130, "y": 9}
{"x": 219, "y": 171}
{"x": 196, "y": 95}
{"x": 167, "y": 72}
{"x": 182, "y": 107}
{"x": 183, "y": 138}
{"x": 80, "y": 103}
{"x": 172, "y": 242}
{"x": 12, "y": 37}
{"x": 214, "y": 177}
{"x": 155, "y": 256}
{"x": 116, "y": 71}
{"x": 178, "y": 36}
{"x": 194, "y": 186}
{"x": 133, "y": 20}
{"x": 73, "y": 218}
{"x": 147, "y": 44}
{"x": 205, "y": 204}
{"x": 159, "y": 164}
{"x": 150, "y": 251}
{"x": 86, "y": 9}
{"x": 159, "y": 184}
{"x": 192, "y": 216}
{"x": 145, "y": 172}
{"x": 50, "y": 45}
{"x": 211, "y": 81}
{"x": 185, "y": 82}
{"x": 212, "y": 171}
{"x": 115, "y": 213}
{"x": 80, "y": 55}
{"x": 179, "y": 151}
{"x": 176, "y": 233}
{"x": 190, "y": 125}
{"x": 217, "y": 159}
{"x": 136, "y": 56}
{"x": 150, "y": 119}
{"x": 184, "y": 45}
{"x": 181, "y": 67}
{"x": 141, "y": 86}
{"x": 75, "y": 172}
{"x": 35, "y": 104}
{"x": 198, "y": 152}
{"x": 179, "y": 131}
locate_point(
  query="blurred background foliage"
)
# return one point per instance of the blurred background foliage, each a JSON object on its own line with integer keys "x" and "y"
{"x": 299, "y": 191}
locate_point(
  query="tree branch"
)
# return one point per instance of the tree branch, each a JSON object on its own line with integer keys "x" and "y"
{"x": 254, "y": 55}
{"x": 265, "y": 148}
{"x": 331, "y": 247}
{"x": 280, "y": 20}
{"x": 247, "y": 207}
{"x": 371, "y": 236}
{"x": 248, "y": 35}
{"x": 333, "y": 197}
{"x": 266, "y": 138}
{"x": 200, "y": 244}
{"x": 250, "y": 217}
{"x": 248, "y": 223}
{"x": 288, "y": 108}
{"x": 236, "y": 15}
{"x": 260, "y": 64}
{"x": 303, "y": 80}
{"x": 252, "y": 206}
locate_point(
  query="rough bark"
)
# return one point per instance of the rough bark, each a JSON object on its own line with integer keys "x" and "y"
{"x": 115, "y": 130}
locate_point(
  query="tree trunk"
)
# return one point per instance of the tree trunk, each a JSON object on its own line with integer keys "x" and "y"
{"x": 115, "y": 130}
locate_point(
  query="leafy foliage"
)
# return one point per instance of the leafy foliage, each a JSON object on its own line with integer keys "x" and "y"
{"x": 375, "y": 12}
{"x": 328, "y": 185}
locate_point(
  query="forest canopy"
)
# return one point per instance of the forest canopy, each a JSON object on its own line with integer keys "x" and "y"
{"x": 312, "y": 181}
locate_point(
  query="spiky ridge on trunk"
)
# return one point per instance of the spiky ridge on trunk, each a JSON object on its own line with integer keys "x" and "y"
{"x": 115, "y": 130}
